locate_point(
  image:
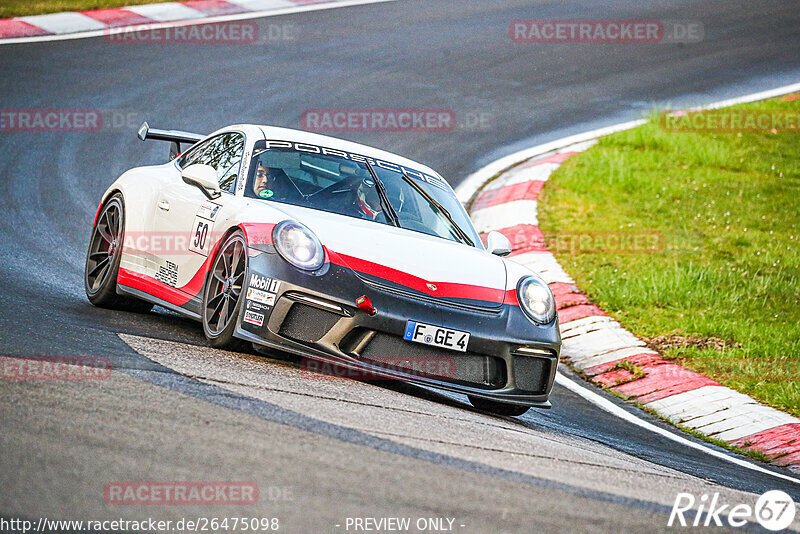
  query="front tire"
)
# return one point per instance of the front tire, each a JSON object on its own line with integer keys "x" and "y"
{"x": 222, "y": 296}
{"x": 103, "y": 259}
{"x": 499, "y": 408}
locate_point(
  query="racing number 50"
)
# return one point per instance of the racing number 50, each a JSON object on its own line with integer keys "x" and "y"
{"x": 200, "y": 235}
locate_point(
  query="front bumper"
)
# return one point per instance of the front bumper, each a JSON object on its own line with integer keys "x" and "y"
{"x": 508, "y": 358}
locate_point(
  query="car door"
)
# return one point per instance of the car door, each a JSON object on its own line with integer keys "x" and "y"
{"x": 185, "y": 218}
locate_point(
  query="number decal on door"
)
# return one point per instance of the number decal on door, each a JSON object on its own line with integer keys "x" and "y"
{"x": 201, "y": 238}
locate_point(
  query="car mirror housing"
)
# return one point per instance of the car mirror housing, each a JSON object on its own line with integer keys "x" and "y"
{"x": 498, "y": 244}
{"x": 203, "y": 177}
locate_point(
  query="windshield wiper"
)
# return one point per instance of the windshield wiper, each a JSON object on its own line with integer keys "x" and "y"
{"x": 435, "y": 203}
{"x": 383, "y": 196}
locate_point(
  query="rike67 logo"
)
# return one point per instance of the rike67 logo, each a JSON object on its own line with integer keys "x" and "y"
{"x": 774, "y": 510}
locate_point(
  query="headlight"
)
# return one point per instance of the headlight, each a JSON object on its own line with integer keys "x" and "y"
{"x": 298, "y": 245}
{"x": 536, "y": 299}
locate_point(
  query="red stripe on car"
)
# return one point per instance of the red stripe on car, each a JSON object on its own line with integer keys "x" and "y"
{"x": 443, "y": 289}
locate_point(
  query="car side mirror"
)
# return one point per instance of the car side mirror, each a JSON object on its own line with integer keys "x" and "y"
{"x": 498, "y": 244}
{"x": 204, "y": 177}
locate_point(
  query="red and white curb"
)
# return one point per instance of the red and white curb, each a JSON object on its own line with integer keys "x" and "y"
{"x": 503, "y": 196}
{"x": 71, "y": 25}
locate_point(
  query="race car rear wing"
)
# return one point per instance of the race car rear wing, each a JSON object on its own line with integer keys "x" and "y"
{"x": 176, "y": 137}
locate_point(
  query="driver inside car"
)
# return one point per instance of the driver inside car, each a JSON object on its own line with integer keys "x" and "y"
{"x": 367, "y": 201}
{"x": 271, "y": 182}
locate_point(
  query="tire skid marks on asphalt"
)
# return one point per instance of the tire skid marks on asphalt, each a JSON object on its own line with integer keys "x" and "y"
{"x": 433, "y": 426}
{"x": 596, "y": 344}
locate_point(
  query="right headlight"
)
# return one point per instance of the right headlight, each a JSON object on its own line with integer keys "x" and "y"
{"x": 536, "y": 299}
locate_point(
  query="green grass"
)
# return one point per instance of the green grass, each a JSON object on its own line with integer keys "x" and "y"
{"x": 18, "y": 8}
{"x": 727, "y": 209}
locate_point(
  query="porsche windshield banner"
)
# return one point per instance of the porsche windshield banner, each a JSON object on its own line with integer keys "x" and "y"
{"x": 323, "y": 151}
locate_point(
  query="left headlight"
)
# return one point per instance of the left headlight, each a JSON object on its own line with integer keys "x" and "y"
{"x": 298, "y": 245}
{"x": 536, "y": 299}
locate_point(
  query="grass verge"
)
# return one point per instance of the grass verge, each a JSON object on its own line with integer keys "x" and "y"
{"x": 19, "y": 8}
{"x": 720, "y": 290}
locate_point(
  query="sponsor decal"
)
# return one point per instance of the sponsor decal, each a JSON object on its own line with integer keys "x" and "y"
{"x": 254, "y": 318}
{"x": 393, "y": 167}
{"x": 260, "y": 296}
{"x": 266, "y": 193}
{"x": 240, "y": 181}
{"x": 255, "y": 306}
{"x": 208, "y": 211}
{"x": 168, "y": 273}
{"x": 262, "y": 282}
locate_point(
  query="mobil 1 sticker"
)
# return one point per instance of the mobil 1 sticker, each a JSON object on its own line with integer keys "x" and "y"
{"x": 264, "y": 283}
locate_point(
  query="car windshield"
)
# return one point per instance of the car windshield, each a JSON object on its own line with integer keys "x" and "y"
{"x": 356, "y": 186}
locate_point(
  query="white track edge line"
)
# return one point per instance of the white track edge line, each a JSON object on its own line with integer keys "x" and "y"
{"x": 613, "y": 409}
{"x": 472, "y": 184}
{"x": 121, "y": 30}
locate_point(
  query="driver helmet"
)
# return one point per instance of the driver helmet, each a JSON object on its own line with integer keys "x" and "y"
{"x": 368, "y": 200}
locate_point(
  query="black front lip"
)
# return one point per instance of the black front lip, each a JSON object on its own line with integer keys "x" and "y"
{"x": 490, "y": 331}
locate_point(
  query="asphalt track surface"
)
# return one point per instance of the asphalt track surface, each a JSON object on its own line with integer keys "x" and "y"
{"x": 331, "y": 449}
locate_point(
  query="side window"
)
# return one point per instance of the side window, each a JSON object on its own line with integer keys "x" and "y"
{"x": 224, "y": 153}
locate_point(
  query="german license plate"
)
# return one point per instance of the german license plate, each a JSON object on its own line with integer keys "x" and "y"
{"x": 438, "y": 336}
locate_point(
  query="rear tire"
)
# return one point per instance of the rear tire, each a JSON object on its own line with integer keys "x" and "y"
{"x": 499, "y": 408}
{"x": 103, "y": 259}
{"x": 222, "y": 295}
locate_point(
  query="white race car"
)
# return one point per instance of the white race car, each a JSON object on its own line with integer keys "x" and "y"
{"x": 334, "y": 251}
